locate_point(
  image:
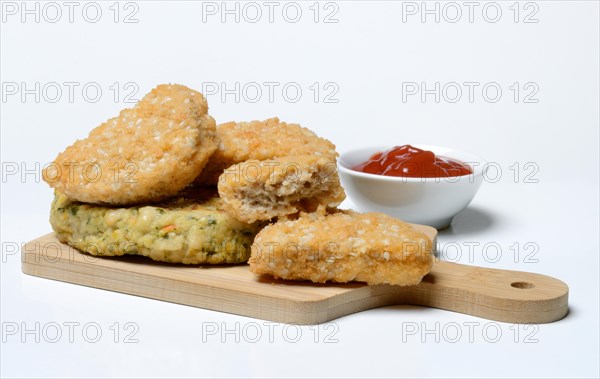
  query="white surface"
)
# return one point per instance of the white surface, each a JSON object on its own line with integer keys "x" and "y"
{"x": 368, "y": 54}
{"x": 428, "y": 201}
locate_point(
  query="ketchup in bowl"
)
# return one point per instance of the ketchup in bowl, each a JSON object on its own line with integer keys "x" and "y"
{"x": 411, "y": 162}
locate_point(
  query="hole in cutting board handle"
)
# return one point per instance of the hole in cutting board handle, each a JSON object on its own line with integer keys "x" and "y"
{"x": 522, "y": 285}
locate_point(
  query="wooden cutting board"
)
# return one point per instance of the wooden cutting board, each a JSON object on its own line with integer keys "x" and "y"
{"x": 510, "y": 296}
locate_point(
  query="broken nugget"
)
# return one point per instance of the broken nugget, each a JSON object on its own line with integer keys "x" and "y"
{"x": 261, "y": 140}
{"x": 343, "y": 246}
{"x": 190, "y": 228}
{"x": 262, "y": 190}
{"x": 146, "y": 153}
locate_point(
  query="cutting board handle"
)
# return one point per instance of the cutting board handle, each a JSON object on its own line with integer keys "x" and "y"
{"x": 502, "y": 295}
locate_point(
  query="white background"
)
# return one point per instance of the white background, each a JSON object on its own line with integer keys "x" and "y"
{"x": 368, "y": 54}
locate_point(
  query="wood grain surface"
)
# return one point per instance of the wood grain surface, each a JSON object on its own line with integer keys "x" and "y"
{"x": 510, "y": 296}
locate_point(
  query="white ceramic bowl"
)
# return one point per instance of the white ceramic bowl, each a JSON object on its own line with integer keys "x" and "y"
{"x": 428, "y": 201}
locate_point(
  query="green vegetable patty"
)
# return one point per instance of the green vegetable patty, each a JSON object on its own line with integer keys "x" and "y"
{"x": 191, "y": 228}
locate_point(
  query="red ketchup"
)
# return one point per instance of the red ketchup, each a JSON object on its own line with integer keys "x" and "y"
{"x": 410, "y": 162}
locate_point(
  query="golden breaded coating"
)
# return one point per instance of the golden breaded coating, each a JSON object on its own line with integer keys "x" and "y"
{"x": 174, "y": 102}
{"x": 147, "y": 153}
{"x": 262, "y": 190}
{"x": 341, "y": 247}
{"x": 261, "y": 140}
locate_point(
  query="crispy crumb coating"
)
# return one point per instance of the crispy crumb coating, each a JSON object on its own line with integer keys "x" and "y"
{"x": 147, "y": 153}
{"x": 262, "y": 190}
{"x": 261, "y": 140}
{"x": 341, "y": 247}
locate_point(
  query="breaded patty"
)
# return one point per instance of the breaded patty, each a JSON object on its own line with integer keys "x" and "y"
{"x": 341, "y": 247}
{"x": 147, "y": 153}
{"x": 268, "y": 139}
{"x": 191, "y": 228}
{"x": 262, "y": 190}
